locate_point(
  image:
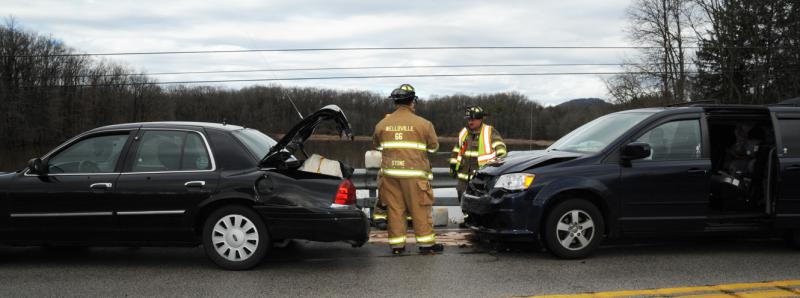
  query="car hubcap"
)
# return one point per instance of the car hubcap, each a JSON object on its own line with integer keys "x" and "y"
{"x": 575, "y": 230}
{"x": 235, "y": 237}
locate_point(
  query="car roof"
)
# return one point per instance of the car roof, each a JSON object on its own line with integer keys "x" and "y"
{"x": 169, "y": 124}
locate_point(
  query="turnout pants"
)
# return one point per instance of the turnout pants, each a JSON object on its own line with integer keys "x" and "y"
{"x": 412, "y": 196}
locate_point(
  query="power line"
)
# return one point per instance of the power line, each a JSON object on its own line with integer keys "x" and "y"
{"x": 363, "y": 77}
{"x": 431, "y": 48}
{"x": 366, "y": 68}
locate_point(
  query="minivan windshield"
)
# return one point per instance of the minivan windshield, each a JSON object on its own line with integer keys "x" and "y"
{"x": 594, "y": 136}
{"x": 255, "y": 141}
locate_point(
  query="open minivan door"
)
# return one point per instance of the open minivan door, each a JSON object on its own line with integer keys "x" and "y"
{"x": 295, "y": 137}
{"x": 787, "y": 199}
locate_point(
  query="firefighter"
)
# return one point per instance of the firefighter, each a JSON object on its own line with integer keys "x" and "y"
{"x": 477, "y": 146}
{"x": 404, "y": 184}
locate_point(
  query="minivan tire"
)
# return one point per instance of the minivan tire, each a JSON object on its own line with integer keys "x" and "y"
{"x": 235, "y": 237}
{"x": 568, "y": 238}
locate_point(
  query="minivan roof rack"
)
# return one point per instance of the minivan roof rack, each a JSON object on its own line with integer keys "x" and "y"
{"x": 792, "y": 102}
{"x": 691, "y": 103}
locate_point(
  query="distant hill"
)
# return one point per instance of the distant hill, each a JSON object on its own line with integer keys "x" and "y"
{"x": 584, "y": 102}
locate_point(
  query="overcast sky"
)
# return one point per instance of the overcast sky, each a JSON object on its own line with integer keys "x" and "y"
{"x": 145, "y": 26}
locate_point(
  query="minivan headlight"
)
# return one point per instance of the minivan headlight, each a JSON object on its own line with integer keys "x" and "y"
{"x": 516, "y": 181}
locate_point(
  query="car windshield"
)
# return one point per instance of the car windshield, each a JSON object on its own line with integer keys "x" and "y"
{"x": 255, "y": 141}
{"x": 594, "y": 136}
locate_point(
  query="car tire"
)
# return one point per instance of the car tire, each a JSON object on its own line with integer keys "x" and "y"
{"x": 567, "y": 239}
{"x": 235, "y": 238}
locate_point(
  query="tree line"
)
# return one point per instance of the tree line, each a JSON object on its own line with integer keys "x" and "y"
{"x": 48, "y": 95}
{"x": 725, "y": 51}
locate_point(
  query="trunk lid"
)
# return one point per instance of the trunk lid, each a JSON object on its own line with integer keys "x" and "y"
{"x": 303, "y": 130}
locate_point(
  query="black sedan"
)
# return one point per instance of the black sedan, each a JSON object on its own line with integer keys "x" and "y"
{"x": 232, "y": 189}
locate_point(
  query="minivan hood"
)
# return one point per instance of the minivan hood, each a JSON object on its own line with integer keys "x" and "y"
{"x": 305, "y": 128}
{"x": 518, "y": 161}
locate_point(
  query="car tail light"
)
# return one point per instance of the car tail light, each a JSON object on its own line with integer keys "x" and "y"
{"x": 346, "y": 195}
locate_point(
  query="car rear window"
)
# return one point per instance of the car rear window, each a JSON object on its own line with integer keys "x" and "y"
{"x": 255, "y": 141}
{"x": 790, "y": 137}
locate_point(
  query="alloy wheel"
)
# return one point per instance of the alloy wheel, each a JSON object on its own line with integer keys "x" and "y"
{"x": 235, "y": 237}
{"x": 575, "y": 230}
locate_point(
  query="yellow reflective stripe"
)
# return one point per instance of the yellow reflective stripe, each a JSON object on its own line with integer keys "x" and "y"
{"x": 487, "y": 137}
{"x": 426, "y": 239}
{"x": 469, "y": 153}
{"x": 453, "y": 161}
{"x": 404, "y": 145}
{"x": 379, "y": 148}
{"x": 456, "y": 149}
{"x": 379, "y": 216}
{"x": 463, "y": 176}
{"x": 498, "y": 143}
{"x": 397, "y": 240}
{"x": 434, "y": 149}
{"x": 407, "y": 173}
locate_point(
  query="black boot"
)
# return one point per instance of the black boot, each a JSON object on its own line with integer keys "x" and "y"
{"x": 436, "y": 248}
{"x": 398, "y": 250}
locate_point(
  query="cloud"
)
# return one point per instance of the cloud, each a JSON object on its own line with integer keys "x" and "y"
{"x": 130, "y": 26}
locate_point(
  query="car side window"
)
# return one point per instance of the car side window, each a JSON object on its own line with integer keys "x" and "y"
{"x": 790, "y": 137}
{"x": 97, "y": 154}
{"x": 163, "y": 151}
{"x": 677, "y": 140}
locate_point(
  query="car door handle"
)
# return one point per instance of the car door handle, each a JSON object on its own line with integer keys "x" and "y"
{"x": 103, "y": 185}
{"x": 793, "y": 168}
{"x": 193, "y": 184}
{"x": 697, "y": 171}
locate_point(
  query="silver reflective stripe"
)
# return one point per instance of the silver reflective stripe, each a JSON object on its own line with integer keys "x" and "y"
{"x": 154, "y": 212}
{"x": 61, "y": 214}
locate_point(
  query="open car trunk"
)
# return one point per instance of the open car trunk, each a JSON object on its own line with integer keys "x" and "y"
{"x": 289, "y": 152}
{"x": 743, "y": 157}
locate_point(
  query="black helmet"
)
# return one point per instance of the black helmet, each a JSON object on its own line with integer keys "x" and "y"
{"x": 404, "y": 94}
{"x": 474, "y": 112}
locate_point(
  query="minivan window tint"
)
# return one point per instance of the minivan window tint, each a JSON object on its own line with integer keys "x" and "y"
{"x": 790, "y": 137}
{"x": 161, "y": 151}
{"x": 98, "y": 154}
{"x": 677, "y": 140}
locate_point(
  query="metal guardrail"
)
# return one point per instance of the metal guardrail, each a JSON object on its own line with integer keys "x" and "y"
{"x": 367, "y": 179}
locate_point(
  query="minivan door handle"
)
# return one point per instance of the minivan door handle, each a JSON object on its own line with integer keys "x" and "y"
{"x": 100, "y": 186}
{"x": 195, "y": 184}
{"x": 697, "y": 171}
{"x": 793, "y": 168}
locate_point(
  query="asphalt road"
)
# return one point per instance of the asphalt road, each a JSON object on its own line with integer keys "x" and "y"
{"x": 334, "y": 269}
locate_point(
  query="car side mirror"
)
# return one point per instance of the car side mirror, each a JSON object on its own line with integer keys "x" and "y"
{"x": 634, "y": 151}
{"x": 36, "y": 167}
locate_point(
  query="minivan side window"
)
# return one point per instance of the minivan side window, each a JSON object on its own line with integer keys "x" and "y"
{"x": 677, "y": 140}
{"x": 790, "y": 137}
{"x": 96, "y": 154}
{"x": 165, "y": 151}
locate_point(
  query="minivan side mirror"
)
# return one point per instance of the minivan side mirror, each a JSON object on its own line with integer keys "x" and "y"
{"x": 36, "y": 166}
{"x": 634, "y": 151}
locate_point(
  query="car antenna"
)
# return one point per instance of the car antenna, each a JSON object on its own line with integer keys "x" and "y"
{"x": 293, "y": 105}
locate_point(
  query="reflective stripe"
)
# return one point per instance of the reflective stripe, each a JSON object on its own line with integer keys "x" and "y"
{"x": 461, "y": 135}
{"x": 471, "y": 153}
{"x": 379, "y": 148}
{"x": 453, "y": 161}
{"x": 379, "y": 216}
{"x": 404, "y": 145}
{"x": 456, "y": 149}
{"x": 404, "y": 173}
{"x": 487, "y": 138}
{"x": 397, "y": 240}
{"x": 427, "y": 239}
{"x": 463, "y": 176}
{"x": 433, "y": 150}
{"x": 498, "y": 143}
{"x": 486, "y": 157}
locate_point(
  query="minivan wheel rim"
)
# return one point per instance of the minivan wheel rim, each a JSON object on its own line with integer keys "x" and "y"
{"x": 235, "y": 237}
{"x": 575, "y": 230}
